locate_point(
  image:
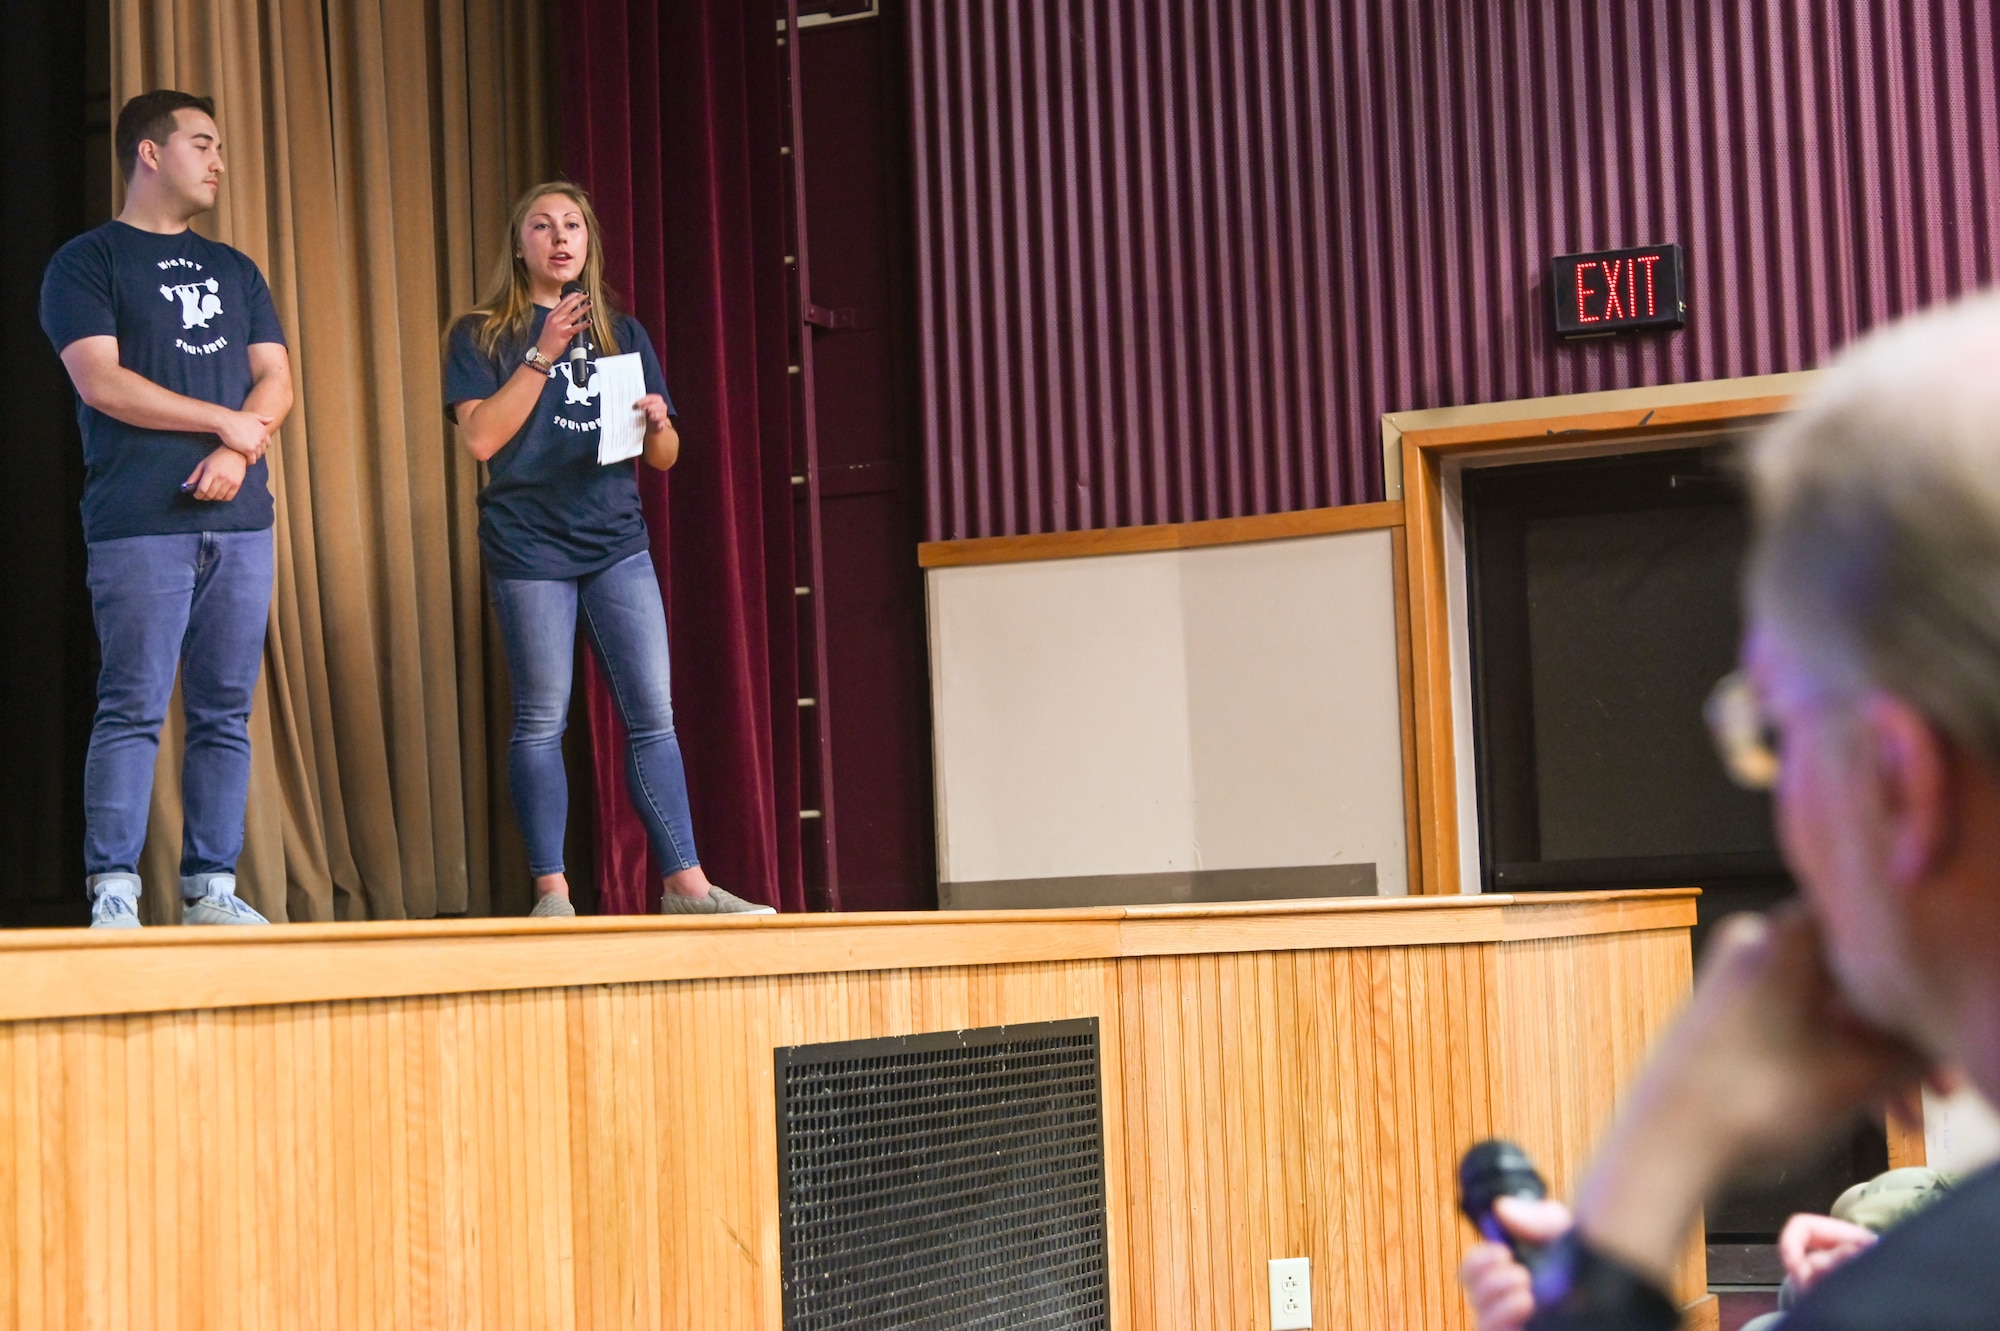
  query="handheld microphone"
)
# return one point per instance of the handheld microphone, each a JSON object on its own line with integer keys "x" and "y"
{"x": 580, "y": 368}
{"x": 1489, "y": 1171}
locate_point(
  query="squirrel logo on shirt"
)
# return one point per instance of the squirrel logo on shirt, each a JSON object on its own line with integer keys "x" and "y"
{"x": 199, "y": 301}
{"x": 572, "y": 394}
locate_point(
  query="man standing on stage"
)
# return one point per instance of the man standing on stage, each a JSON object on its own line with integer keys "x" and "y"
{"x": 176, "y": 353}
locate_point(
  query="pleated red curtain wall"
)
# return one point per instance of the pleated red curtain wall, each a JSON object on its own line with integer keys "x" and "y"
{"x": 670, "y": 115}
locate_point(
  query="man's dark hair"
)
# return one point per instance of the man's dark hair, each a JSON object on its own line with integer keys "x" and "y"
{"x": 150, "y": 115}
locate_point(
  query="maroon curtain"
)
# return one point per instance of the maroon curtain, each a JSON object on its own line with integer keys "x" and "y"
{"x": 670, "y": 115}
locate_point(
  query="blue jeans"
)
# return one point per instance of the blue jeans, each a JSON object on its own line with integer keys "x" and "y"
{"x": 628, "y": 626}
{"x": 199, "y": 602}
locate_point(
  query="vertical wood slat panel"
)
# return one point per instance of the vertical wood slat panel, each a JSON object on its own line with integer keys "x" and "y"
{"x": 1175, "y": 261}
{"x": 605, "y": 1155}
{"x": 1557, "y": 1086}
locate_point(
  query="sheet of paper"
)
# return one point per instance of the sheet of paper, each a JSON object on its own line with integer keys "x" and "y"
{"x": 620, "y": 382}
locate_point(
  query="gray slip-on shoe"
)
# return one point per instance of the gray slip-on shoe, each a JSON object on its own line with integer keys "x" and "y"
{"x": 552, "y": 907}
{"x": 218, "y": 903}
{"x": 717, "y": 902}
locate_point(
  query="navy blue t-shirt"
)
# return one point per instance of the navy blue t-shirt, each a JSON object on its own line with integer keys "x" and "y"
{"x": 548, "y": 509}
{"x": 185, "y": 311}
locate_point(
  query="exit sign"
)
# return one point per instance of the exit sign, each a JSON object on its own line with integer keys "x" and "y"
{"x": 1617, "y": 291}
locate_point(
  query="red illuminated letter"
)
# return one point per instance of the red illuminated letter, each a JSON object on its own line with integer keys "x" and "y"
{"x": 1582, "y": 316}
{"x": 1613, "y": 307}
{"x": 1649, "y": 260}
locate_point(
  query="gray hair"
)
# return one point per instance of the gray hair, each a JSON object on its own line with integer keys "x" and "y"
{"x": 1877, "y": 547}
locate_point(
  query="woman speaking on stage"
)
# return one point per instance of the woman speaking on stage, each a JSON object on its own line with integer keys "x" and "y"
{"x": 564, "y": 536}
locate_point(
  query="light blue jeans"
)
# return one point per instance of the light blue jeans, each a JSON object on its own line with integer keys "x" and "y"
{"x": 628, "y": 627}
{"x": 197, "y": 602}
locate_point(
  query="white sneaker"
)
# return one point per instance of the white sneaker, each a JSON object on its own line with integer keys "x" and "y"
{"x": 114, "y": 910}
{"x": 114, "y": 900}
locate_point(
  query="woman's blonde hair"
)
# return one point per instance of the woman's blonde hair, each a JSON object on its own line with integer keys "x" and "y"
{"x": 504, "y": 314}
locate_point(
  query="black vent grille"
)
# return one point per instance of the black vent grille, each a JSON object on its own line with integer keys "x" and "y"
{"x": 948, "y": 1180}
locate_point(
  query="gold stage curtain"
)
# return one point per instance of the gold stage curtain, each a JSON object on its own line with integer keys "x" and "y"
{"x": 372, "y": 148}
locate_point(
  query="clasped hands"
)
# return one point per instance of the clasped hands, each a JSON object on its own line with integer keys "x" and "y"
{"x": 245, "y": 435}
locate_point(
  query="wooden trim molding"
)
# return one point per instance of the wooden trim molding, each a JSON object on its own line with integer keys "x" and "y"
{"x": 1424, "y": 452}
{"x": 1903, "y": 1126}
{"x": 1406, "y": 706}
{"x": 1395, "y": 423}
{"x": 1164, "y": 536}
{"x": 1434, "y": 771}
{"x": 1592, "y": 427}
{"x": 56, "y": 973}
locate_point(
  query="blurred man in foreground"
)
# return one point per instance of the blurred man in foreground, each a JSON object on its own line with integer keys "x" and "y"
{"x": 1869, "y": 703}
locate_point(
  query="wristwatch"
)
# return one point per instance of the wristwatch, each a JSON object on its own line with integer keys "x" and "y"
{"x": 535, "y": 360}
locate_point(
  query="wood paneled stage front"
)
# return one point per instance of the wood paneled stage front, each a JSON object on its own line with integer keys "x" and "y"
{"x": 498, "y": 1124}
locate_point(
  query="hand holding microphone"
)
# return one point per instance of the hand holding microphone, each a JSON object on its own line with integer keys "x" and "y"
{"x": 579, "y": 347}
{"x": 1535, "y": 1264}
{"x": 1504, "y": 1197}
{"x": 568, "y": 324}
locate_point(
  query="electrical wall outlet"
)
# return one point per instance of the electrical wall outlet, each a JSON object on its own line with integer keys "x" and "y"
{"x": 1291, "y": 1293}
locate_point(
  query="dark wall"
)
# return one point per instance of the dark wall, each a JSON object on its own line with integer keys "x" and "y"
{"x": 854, "y": 165}
{"x": 1176, "y": 261}
{"x": 48, "y": 663}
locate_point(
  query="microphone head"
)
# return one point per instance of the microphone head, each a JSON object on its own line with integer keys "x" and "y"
{"x": 1491, "y": 1170}
{"x": 580, "y": 347}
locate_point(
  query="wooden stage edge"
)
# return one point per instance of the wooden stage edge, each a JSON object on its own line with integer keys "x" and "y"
{"x": 516, "y": 1125}
{"x": 84, "y": 973}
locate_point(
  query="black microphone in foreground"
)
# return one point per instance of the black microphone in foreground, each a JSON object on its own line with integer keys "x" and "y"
{"x": 1574, "y": 1287}
{"x": 1489, "y": 1171}
{"x": 580, "y": 368}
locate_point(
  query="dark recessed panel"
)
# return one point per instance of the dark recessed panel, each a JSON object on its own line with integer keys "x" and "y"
{"x": 1631, "y": 619}
{"x": 1604, "y": 606}
{"x": 952, "y": 1180}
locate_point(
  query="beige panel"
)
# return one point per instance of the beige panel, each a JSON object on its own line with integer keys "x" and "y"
{"x": 1222, "y": 707}
{"x": 1060, "y": 703}
{"x": 1293, "y": 705}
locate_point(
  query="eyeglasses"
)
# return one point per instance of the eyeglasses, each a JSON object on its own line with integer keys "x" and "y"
{"x": 1744, "y": 737}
